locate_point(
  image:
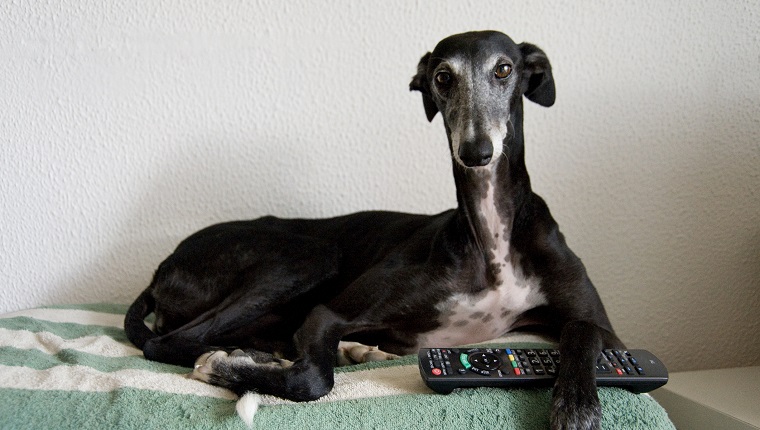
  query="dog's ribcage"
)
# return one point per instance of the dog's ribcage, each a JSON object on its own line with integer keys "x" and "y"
{"x": 467, "y": 318}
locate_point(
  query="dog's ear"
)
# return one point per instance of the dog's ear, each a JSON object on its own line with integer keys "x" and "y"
{"x": 421, "y": 84}
{"x": 538, "y": 83}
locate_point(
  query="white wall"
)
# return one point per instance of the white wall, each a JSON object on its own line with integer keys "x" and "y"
{"x": 127, "y": 125}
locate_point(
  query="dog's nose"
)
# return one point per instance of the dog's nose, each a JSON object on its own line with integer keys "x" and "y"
{"x": 476, "y": 153}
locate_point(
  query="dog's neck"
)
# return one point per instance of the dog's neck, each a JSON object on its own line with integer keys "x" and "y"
{"x": 489, "y": 197}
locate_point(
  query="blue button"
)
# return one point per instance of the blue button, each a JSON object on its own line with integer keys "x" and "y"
{"x": 509, "y": 351}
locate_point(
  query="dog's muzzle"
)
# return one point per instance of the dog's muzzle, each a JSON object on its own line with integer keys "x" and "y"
{"x": 476, "y": 153}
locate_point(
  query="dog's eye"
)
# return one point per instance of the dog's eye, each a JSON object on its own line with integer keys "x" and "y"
{"x": 443, "y": 79}
{"x": 502, "y": 71}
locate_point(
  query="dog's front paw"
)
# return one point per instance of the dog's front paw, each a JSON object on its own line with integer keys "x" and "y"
{"x": 575, "y": 408}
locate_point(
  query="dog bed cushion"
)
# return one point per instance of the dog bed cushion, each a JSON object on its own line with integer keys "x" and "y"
{"x": 72, "y": 367}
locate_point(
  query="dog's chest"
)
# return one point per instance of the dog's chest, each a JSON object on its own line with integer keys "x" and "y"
{"x": 475, "y": 317}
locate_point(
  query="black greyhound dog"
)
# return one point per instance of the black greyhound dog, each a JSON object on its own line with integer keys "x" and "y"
{"x": 263, "y": 305}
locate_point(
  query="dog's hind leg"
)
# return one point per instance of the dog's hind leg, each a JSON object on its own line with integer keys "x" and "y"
{"x": 259, "y": 291}
{"x": 226, "y": 326}
{"x": 184, "y": 345}
{"x": 354, "y": 353}
{"x": 309, "y": 377}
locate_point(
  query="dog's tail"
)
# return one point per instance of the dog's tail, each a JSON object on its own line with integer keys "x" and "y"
{"x": 137, "y": 332}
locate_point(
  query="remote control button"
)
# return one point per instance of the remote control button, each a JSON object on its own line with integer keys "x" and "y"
{"x": 602, "y": 368}
{"x": 463, "y": 360}
{"x": 436, "y": 371}
{"x": 480, "y": 371}
{"x": 485, "y": 360}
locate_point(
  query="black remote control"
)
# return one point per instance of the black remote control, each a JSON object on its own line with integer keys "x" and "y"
{"x": 445, "y": 369}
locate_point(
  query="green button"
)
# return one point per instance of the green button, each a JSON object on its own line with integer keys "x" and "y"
{"x": 514, "y": 364}
{"x": 465, "y": 362}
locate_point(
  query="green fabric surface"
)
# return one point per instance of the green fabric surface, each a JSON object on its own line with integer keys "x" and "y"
{"x": 29, "y": 398}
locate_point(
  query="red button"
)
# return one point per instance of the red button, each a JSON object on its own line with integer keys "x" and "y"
{"x": 517, "y": 371}
{"x": 619, "y": 372}
{"x": 436, "y": 371}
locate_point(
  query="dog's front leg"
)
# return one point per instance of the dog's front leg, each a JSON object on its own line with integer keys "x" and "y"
{"x": 307, "y": 378}
{"x": 575, "y": 403}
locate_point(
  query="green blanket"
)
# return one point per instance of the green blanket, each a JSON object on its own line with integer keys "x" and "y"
{"x": 72, "y": 367}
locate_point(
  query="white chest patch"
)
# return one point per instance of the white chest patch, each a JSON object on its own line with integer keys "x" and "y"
{"x": 469, "y": 318}
{"x": 496, "y": 228}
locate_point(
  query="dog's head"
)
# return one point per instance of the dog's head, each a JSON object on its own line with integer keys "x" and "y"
{"x": 476, "y": 80}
